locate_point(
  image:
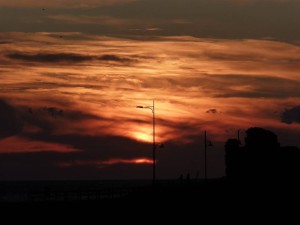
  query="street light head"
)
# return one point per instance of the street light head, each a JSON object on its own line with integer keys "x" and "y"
{"x": 140, "y": 107}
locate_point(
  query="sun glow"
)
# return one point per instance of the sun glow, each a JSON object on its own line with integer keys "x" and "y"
{"x": 143, "y": 161}
{"x": 143, "y": 137}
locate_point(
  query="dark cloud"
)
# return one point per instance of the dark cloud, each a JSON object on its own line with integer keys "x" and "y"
{"x": 73, "y": 115}
{"x": 212, "y": 111}
{"x": 53, "y": 111}
{"x": 45, "y": 166}
{"x": 50, "y": 118}
{"x": 64, "y": 4}
{"x": 232, "y": 57}
{"x": 215, "y": 18}
{"x": 249, "y": 86}
{"x": 65, "y": 58}
{"x": 13, "y": 120}
{"x": 248, "y": 56}
{"x": 67, "y": 114}
{"x": 173, "y": 160}
{"x": 42, "y": 120}
{"x": 101, "y": 147}
{"x": 41, "y": 85}
{"x": 230, "y": 86}
{"x": 113, "y": 58}
{"x": 290, "y": 116}
{"x": 10, "y": 123}
{"x": 50, "y": 58}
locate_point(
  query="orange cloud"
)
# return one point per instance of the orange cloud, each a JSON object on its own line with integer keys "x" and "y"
{"x": 106, "y": 163}
{"x": 17, "y": 144}
{"x": 103, "y": 20}
{"x": 246, "y": 81}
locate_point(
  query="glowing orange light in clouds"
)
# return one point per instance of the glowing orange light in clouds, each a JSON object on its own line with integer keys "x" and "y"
{"x": 144, "y": 137}
{"x": 127, "y": 161}
{"x": 143, "y": 161}
{"x": 106, "y": 163}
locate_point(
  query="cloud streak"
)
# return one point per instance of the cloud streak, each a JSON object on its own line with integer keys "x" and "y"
{"x": 65, "y": 58}
{"x": 11, "y": 124}
{"x": 93, "y": 3}
{"x": 61, "y": 3}
{"x": 102, "y": 20}
{"x": 50, "y": 58}
{"x": 109, "y": 162}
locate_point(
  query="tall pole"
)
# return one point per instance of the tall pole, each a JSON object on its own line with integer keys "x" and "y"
{"x": 205, "y": 156}
{"x": 154, "y": 145}
{"x": 238, "y": 136}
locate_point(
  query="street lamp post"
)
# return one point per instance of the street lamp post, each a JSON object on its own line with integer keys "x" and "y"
{"x": 207, "y": 143}
{"x": 205, "y": 155}
{"x": 152, "y": 108}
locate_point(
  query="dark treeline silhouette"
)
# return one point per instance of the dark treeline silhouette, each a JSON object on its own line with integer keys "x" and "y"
{"x": 261, "y": 159}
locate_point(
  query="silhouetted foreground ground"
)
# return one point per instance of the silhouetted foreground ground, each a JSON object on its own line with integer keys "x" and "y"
{"x": 217, "y": 194}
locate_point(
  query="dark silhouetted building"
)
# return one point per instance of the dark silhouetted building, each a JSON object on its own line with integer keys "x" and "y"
{"x": 262, "y": 158}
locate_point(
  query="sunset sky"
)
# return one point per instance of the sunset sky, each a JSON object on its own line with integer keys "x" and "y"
{"x": 73, "y": 71}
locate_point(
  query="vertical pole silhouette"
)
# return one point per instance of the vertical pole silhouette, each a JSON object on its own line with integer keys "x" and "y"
{"x": 238, "y": 136}
{"x": 154, "y": 144}
{"x": 205, "y": 156}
